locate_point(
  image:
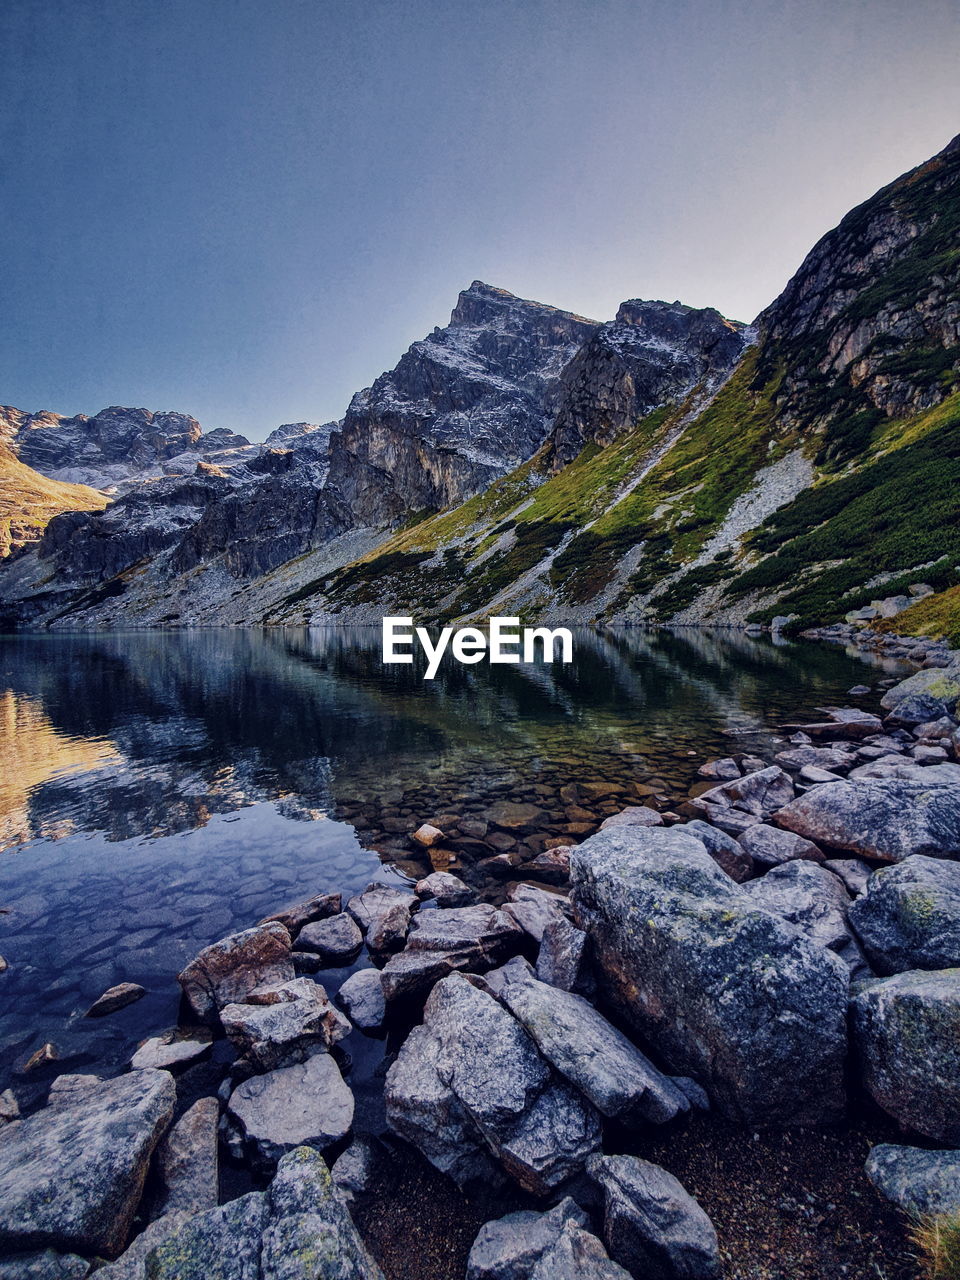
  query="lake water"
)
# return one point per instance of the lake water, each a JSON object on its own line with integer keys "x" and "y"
{"x": 160, "y": 790}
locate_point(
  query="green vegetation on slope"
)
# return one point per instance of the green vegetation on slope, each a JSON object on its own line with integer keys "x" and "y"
{"x": 29, "y": 501}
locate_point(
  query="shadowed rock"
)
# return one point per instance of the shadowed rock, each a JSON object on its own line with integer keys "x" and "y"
{"x": 909, "y": 916}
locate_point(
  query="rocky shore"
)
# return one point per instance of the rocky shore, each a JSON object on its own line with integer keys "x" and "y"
{"x": 718, "y": 1039}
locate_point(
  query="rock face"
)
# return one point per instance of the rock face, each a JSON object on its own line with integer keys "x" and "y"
{"x": 227, "y": 971}
{"x": 469, "y": 1086}
{"x": 917, "y": 1181}
{"x": 71, "y": 1175}
{"x": 653, "y": 353}
{"x": 909, "y": 916}
{"x": 303, "y": 1105}
{"x": 651, "y": 1225}
{"x": 886, "y": 821}
{"x": 809, "y": 896}
{"x": 907, "y": 1034}
{"x": 510, "y": 1247}
{"x": 461, "y": 408}
{"x": 730, "y": 994}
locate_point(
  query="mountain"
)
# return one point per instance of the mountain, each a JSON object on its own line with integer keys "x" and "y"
{"x": 29, "y": 501}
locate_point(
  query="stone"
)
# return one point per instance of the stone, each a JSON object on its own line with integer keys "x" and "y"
{"x": 577, "y": 1255}
{"x": 916, "y": 1180}
{"x": 859, "y": 690}
{"x": 446, "y": 889}
{"x": 469, "y": 1087}
{"x": 770, "y": 846}
{"x": 906, "y": 1031}
{"x": 45, "y": 1265}
{"x": 909, "y": 770}
{"x": 909, "y": 916}
{"x": 336, "y": 940}
{"x": 491, "y": 934}
{"x": 722, "y": 770}
{"x": 635, "y": 816}
{"x": 552, "y": 866}
{"x": 854, "y": 722}
{"x": 854, "y": 873}
{"x": 9, "y": 1107}
{"x": 757, "y": 794}
{"x": 115, "y": 998}
{"x": 362, "y": 997}
{"x": 224, "y": 1243}
{"x": 427, "y": 835}
{"x": 173, "y": 1048}
{"x": 915, "y": 708}
{"x": 188, "y": 1162}
{"x": 294, "y": 917}
{"x": 131, "y": 1265}
{"x": 513, "y": 817}
{"x": 307, "y": 1104}
{"x": 829, "y": 758}
{"x": 564, "y": 958}
{"x": 533, "y": 909}
{"x": 726, "y": 852}
{"x": 651, "y": 1224}
{"x": 730, "y": 994}
{"x": 884, "y": 820}
{"x": 583, "y": 1047}
{"x": 71, "y": 1174}
{"x": 940, "y": 684}
{"x": 809, "y": 896}
{"x": 510, "y": 1247}
{"x": 811, "y": 774}
{"x": 376, "y": 901}
{"x": 226, "y": 971}
{"x": 389, "y": 931}
{"x": 46, "y": 1054}
{"x": 365, "y": 1168}
{"x": 283, "y": 1023}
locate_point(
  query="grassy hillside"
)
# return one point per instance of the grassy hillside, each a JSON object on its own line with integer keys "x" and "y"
{"x": 29, "y": 501}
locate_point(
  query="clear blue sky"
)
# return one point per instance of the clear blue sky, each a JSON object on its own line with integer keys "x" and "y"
{"x": 247, "y": 209}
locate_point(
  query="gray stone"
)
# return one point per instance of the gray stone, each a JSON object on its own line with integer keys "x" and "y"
{"x": 224, "y": 1243}
{"x": 906, "y": 1030}
{"x": 369, "y": 907}
{"x": 533, "y": 909}
{"x": 910, "y": 770}
{"x": 362, "y": 997}
{"x": 564, "y": 958}
{"x": 594, "y": 1056}
{"x": 769, "y": 846}
{"x": 730, "y": 994}
{"x": 885, "y": 821}
{"x": 365, "y": 1168}
{"x": 71, "y": 1174}
{"x": 510, "y": 1247}
{"x": 283, "y": 1023}
{"x": 758, "y": 794}
{"x": 490, "y": 935}
{"x": 809, "y": 896}
{"x": 915, "y": 1180}
{"x": 854, "y": 873}
{"x": 188, "y": 1161}
{"x": 46, "y": 1265}
{"x": 727, "y": 853}
{"x": 943, "y": 685}
{"x": 307, "y": 1104}
{"x": 635, "y": 816}
{"x": 294, "y": 917}
{"x": 577, "y": 1255}
{"x": 389, "y": 931}
{"x": 131, "y": 1265}
{"x": 909, "y": 916}
{"x": 173, "y": 1048}
{"x": 115, "y": 998}
{"x": 651, "y": 1224}
{"x": 336, "y": 940}
{"x": 723, "y": 770}
{"x": 829, "y": 758}
{"x": 226, "y": 971}
{"x": 446, "y": 889}
{"x": 469, "y": 1083}
{"x": 916, "y": 708}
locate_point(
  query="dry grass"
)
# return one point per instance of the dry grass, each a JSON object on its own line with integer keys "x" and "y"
{"x": 29, "y": 501}
{"x": 937, "y": 1242}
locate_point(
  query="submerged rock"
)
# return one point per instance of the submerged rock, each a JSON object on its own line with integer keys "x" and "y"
{"x": 730, "y": 994}
{"x": 228, "y": 970}
{"x": 909, "y": 916}
{"x": 915, "y": 1180}
{"x": 282, "y": 1023}
{"x": 307, "y": 1104}
{"x": 115, "y": 998}
{"x": 71, "y": 1174}
{"x": 906, "y": 1030}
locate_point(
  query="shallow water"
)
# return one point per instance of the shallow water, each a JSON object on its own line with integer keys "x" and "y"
{"x": 160, "y": 790}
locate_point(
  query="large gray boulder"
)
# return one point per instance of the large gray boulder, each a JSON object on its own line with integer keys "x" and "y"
{"x": 283, "y": 1023}
{"x": 941, "y": 684}
{"x": 585, "y": 1049}
{"x": 730, "y": 993}
{"x": 71, "y": 1174}
{"x": 916, "y": 1180}
{"x": 885, "y": 820}
{"x": 469, "y": 1086}
{"x": 809, "y": 896}
{"x": 909, "y": 916}
{"x": 227, "y": 971}
{"x": 908, "y": 770}
{"x": 651, "y": 1224}
{"x": 307, "y": 1104}
{"x": 510, "y": 1247}
{"x": 906, "y": 1030}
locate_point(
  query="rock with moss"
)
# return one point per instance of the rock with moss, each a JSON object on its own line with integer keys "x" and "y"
{"x": 731, "y": 994}
{"x": 941, "y": 684}
{"x": 906, "y": 1032}
{"x": 909, "y": 916}
{"x": 916, "y": 1180}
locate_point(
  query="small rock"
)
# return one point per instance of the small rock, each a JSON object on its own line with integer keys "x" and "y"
{"x": 362, "y": 997}
{"x": 854, "y": 873}
{"x": 377, "y": 901}
{"x": 726, "y": 852}
{"x": 634, "y": 816}
{"x": 513, "y": 817}
{"x": 769, "y": 846}
{"x": 115, "y": 998}
{"x": 577, "y": 1255}
{"x": 47, "y": 1265}
{"x": 510, "y": 1247}
{"x": 809, "y": 896}
{"x": 859, "y": 690}
{"x": 172, "y": 1048}
{"x": 722, "y": 770}
{"x": 307, "y": 1104}
{"x": 46, "y": 1054}
{"x": 284, "y": 1022}
{"x": 427, "y": 835}
{"x": 446, "y": 889}
{"x": 389, "y": 931}
{"x": 294, "y": 917}
{"x": 552, "y": 866}
{"x": 364, "y": 1168}
{"x": 336, "y": 940}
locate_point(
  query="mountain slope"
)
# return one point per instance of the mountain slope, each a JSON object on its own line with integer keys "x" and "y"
{"x": 826, "y": 465}
{"x": 29, "y": 501}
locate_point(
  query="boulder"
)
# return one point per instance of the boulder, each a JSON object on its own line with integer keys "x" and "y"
{"x": 829, "y": 758}
{"x": 730, "y": 994}
{"x": 533, "y": 909}
{"x": 564, "y": 958}
{"x": 362, "y": 997}
{"x": 469, "y": 1085}
{"x": 910, "y": 770}
{"x": 45, "y": 1265}
{"x": 173, "y": 1048}
{"x": 188, "y": 1162}
{"x": 510, "y": 1247}
{"x": 758, "y": 794}
{"x": 770, "y": 847}
{"x": 283, "y": 1023}
{"x": 115, "y": 998}
{"x": 446, "y": 889}
{"x": 722, "y": 770}
{"x": 582, "y": 1046}
{"x": 809, "y": 896}
{"x": 577, "y": 1255}
{"x": 727, "y": 853}
{"x": 906, "y": 1030}
{"x": 71, "y": 1174}
{"x": 915, "y": 1180}
{"x": 885, "y": 821}
{"x": 336, "y": 940}
{"x": 636, "y": 816}
{"x": 909, "y": 916}
{"x": 307, "y": 1104}
{"x": 915, "y": 708}
{"x": 941, "y": 684}
{"x": 294, "y": 917}
{"x": 226, "y": 971}
{"x": 365, "y": 1168}
{"x": 489, "y": 935}
{"x": 651, "y": 1225}
{"x": 376, "y": 901}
